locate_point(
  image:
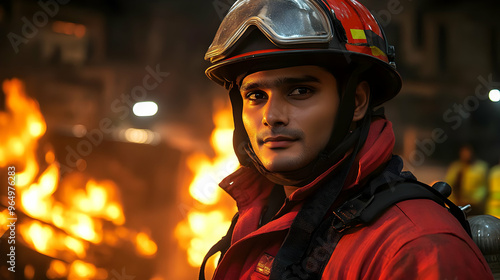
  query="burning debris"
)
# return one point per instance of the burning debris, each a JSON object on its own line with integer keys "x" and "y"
{"x": 76, "y": 221}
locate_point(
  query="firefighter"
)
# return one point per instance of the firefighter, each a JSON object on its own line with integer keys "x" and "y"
{"x": 304, "y": 78}
{"x": 468, "y": 178}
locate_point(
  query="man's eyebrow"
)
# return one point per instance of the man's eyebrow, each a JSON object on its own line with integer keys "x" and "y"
{"x": 279, "y": 82}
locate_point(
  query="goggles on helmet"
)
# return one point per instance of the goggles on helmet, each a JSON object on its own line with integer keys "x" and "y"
{"x": 277, "y": 19}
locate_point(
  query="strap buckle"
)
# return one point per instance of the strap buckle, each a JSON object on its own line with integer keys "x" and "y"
{"x": 347, "y": 215}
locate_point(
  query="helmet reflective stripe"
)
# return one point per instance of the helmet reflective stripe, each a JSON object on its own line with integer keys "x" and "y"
{"x": 368, "y": 38}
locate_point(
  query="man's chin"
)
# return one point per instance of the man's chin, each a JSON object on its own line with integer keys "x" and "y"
{"x": 282, "y": 165}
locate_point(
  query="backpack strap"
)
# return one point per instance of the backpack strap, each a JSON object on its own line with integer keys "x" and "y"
{"x": 413, "y": 189}
{"x": 364, "y": 209}
{"x": 222, "y": 246}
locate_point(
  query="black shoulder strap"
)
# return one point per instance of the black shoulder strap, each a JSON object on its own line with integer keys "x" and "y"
{"x": 222, "y": 246}
{"x": 363, "y": 209}
{"x": 389, "y": 196}
{"x": 414, "y": 190}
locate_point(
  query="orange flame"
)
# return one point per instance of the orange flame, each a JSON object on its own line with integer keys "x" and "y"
{"x": 37, "y": 200}
{"x": 57, "y": 269}
{"x": 40, "y": 236}
{"x": 66, "y": 215}
{"x": 209, "y": 173}
{"x": 144, "y": 245}
{"x": 24, "y": 125}
{"x": 4, "y": 221}
{"x": 80, "y": 270}
{"x": 69, "y": 28}
{"x": 201, "y": 229}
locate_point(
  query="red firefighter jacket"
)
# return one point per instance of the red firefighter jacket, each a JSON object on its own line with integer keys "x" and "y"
{"x": 414, "y": 239}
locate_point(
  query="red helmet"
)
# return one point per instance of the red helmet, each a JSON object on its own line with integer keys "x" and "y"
{"x": 336, "y": 34}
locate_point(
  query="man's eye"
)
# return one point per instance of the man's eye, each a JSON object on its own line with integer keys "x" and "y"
{"x": 301, "y": 91}
{"x": 255, "y": 95}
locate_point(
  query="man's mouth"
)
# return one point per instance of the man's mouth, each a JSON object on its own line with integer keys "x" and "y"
{"x": 278, "y": 142}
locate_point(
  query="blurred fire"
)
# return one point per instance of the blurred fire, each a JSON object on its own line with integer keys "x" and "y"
{"x": 21, "y": 126}
{"x": 61, "y": 219}
{"x": 69, "y": 28}
{"x": 207, "y": 221}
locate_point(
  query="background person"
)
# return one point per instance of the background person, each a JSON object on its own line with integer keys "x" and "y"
{"x": 468, "y": 179}
{"x": 493, "y": 205}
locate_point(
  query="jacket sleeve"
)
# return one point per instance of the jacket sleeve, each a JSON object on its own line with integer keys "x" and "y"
{"x": 436, "y": 256}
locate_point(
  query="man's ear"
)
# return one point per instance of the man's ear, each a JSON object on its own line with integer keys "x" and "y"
{"x": 361, "y": 100}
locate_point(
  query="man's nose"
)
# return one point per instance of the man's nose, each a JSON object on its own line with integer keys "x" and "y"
{"x": 275, "y": 112}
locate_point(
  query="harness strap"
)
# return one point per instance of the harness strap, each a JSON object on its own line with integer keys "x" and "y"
{"x": 362, "y": 210}
{"x": 321, "y": 247}
{"x": 359, "y": 211}
{"x": 300, "y": 232}
{"x": 222, "y": 246}
{"x": 327, "y": 236}
{"x": 274, "y": 203}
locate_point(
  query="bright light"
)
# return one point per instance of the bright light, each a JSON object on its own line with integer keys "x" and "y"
{"x": 145, "y": 109}
{"x": 495, "y": 95}
{"x": 139, "y": 136}
{"x": 135, "y": 135}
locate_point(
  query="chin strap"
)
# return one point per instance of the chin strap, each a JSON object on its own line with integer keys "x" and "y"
{"x": 240, "y": 137}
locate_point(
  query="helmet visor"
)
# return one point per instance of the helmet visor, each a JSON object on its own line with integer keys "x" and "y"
{"x": 284, "y": 22}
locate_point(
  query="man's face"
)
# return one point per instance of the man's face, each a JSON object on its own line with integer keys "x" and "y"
{"x": 466, "y": 154}
{"x": 289, "y": 114}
